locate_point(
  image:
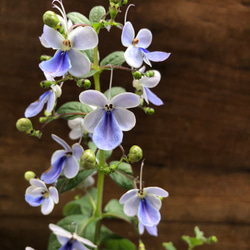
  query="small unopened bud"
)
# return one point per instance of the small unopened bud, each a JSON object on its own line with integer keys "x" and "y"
{"x": 44, "y": 58}
{"x": 113, "y": 9}
{"x": 135, "y": 154}
{"x": 149, "y": 111}
{"x": 149, "y": 73}
{"x": 113, "y": 167}
{"x": 29, "y": 175}
{"x": 24, "y": 125}
{"x": 141, "y": 245}
{"x": 88, "y": 159}
{"x": 84, "y": 83}
{"x": 124, "y": 2}
{"x": 46, "y": 84}
{"x": 213, "y": 239}
{"x": 51, "y": 19}
{"x": 137, "y": 75}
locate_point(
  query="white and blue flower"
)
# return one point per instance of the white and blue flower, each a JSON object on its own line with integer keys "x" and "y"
{"x": 110, "y": 118}
{"x": 145, "y": 203}
{"x": 136, "y": 51}
{"x": 66, "y": 160}
{"x": 68, "y": 57}
{"x": 68, "y": 240}
{"x": 48, "y": 97}
{"x": 145, "y": 83}
{"x": 38, "y": 195}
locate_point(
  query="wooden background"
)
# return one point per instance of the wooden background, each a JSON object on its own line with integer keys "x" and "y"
{"x": 196, "y": 146}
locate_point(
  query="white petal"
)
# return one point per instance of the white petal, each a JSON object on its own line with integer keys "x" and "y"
{"x": 47, "y": 206}
{"x": 131, "y": 206}
{"x": 128, "y": 34}
{"x": 61, "y": 142}
{"x": 77, "y": 150}
{"x": 93, "y": 97}
{"x": 151, "y": 82}
{"x": 59, "y": 231}
{"x": 156, "y": 191}
{"x": 38, "y": 183}
{"x": 83, "y": 38}
{"x": 84, "y": 241}
{"x": 71, "y": 167}
{"x": 133, "y": 57}
{"x": 56, "y": 155}
{"x": 125, "y": 118}
{"x": 128, "y": 195}
{"x": 145, "y": 38}
{"x": 92, "y": 119}
{"x": 54, "y": 194}
{"x": 53, "y": 38}
{"x": 43, "y": 41}
{"x": 153, "y": 200}
{"x": 126, "y": 100}
{"x": 80, "y": 64}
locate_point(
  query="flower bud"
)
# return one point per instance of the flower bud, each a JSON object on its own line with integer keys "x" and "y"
{"x": 137, "y": 75}
{"x": 113, "y": 167}
{"x": 141, "y": 245}
{"x": 46, "y": 84}
{"x": 51, "y": 19}
{"x": 44, "y": 58}
{"x": 29, "y": 175}
{"x": 213, "y": 239}
{"x": 88, "y": 159}
{"x": 124, "y": 2}
{"x": 149, "y": 111}
{"x": 84, "y": 83}
{"x": 149, "y": 73}
{"x": 24, "y": 125}
{"x": 113, "y": 9}
{"x": 135, "y": 154}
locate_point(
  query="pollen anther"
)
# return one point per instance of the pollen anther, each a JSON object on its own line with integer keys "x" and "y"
{"x": 135, "y": 41}
{"x": 67, "y": 43}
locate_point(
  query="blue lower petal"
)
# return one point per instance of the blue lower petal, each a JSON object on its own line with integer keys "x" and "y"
{"x": 34, "y": 201}
{"x": 152, "y": 97}
{"x": 52, "y": 175}
{"x": 107, "y": 134}
{"x": 36, "y": 107}
{"x": 67, "y": 246}
{"x": 58, "y": 65}
{"x": 147, "y": 214}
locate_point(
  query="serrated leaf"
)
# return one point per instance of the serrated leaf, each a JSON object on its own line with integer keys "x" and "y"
{"x": 74, "y": 110}
{"x": 78, "y": 18}
{"x": 120, "y": 175}
{"x": 169, "y": 246}
{"x": 114, "y": 91}
{"x": 115, "y": 209}
{"x": 96, "y": 14}
{"x": 115, "y": 59}
{"x": 64, "y": 184}
{"x": 83, "y": 205}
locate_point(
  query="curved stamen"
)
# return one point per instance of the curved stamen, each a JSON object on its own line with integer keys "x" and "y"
{"x": 126, "y": 13}
{"x": 62, "y": 11}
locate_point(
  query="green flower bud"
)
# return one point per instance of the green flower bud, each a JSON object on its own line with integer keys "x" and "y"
{"x": 135, "y": 154}
{"x": 149, "y": 111}
{"x": 113, "y": 10}
{"x": 124, "y": 2}
{"x": 36, "y": 133}
{"x": 24, "y": 125}
{"x": 46, "y": 84}
{"x": 113, "y": 167}
{"x": 137, "y": 75}
{"x": 29, "y": 175}
{"x": 141, "y": 245}
{"x": 88, "y": 159}
{"x": 84, "y": 83}
{"x": 213, "y": 239}
{"x": 43, "y": 119}
{"x": 149, "y": 73}
{"x": 44, "y": 58}
{"x": 50, "y": 18}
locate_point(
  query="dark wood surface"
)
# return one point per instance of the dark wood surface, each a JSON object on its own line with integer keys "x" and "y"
{"x": 196, "y": 146}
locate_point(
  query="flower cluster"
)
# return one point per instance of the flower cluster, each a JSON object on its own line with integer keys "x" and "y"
{"x": 97, "y": 120}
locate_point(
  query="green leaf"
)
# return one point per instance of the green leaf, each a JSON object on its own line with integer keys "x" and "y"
{"x": 115, "y": 58}
{"x": 168, "y": 246}
{"x": 198, "y": 240}
{"x": 96, "y": 14}
{"x": 119, "y": 176}
{"x": 114, "y": 91}
{"x": 115, "y": 209}
{"x": 83, "y": 205}
{"x": 78, "y": 18}
{"x": 93, "y": 147}
{"x": 73, "y": 108}
{"x": 64, "y": 184}
{"x": 113, "y": 241}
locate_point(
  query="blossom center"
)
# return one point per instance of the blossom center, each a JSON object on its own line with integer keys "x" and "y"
{"x": 108, "y": 107}
{"x": 141, "y": 193}
{"x": 45, "y": 194}
{"x": 135, "y": 41}
{"x": 67, "y": 44}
